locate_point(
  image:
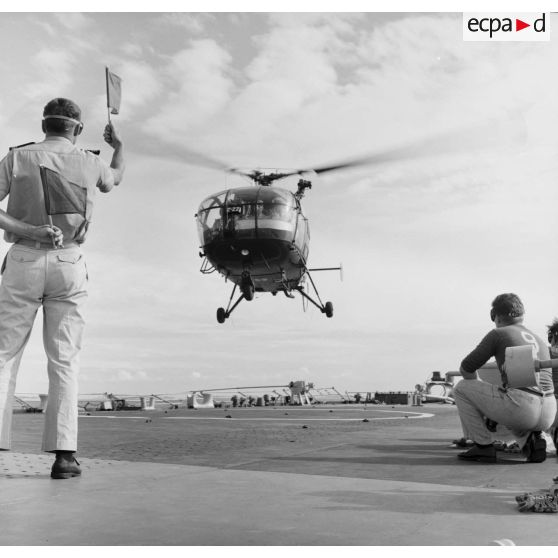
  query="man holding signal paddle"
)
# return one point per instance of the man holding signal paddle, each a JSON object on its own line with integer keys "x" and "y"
{"x": 50, "y": 188}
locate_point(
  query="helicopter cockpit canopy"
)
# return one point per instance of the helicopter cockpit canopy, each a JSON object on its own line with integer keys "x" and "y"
{"x": 249, "y": 212}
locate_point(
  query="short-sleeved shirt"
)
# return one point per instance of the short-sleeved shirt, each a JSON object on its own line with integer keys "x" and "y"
{"x": 553, "y": 350}
{"x": 496, "y": 341}
{"x": 20, "y": 179}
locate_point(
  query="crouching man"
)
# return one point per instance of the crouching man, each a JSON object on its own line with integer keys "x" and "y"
{"x": 525, "y": 411}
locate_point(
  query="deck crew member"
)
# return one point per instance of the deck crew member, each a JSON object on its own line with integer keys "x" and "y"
{"x": 45, "y": 267}
{"x": 525, "y": 411}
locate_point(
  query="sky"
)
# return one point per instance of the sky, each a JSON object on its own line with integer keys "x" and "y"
{"x": 425, "y": 242}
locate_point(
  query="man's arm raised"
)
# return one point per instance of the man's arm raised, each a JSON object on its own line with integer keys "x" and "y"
{"x": 112, "y": 137}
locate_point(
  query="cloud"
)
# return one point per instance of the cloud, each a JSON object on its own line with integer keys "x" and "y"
{"x": 134, "y": 50}
{"x": 48, "y": 27}
{"x": 200, "y": 89}
{"x": 193, "y": 23}
{"x": 292, "y": 68}
{"x": 292, "y": 71}
{"x": 392, "y": 89}
{"x": 69, "y": 27}
{"x": 297, "y": 55}
{"x": 53, "y": 74}
{"x": 130, "y": 375}
{"x": 73, "y": 21}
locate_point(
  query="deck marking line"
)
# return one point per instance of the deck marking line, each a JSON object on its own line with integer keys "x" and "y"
{"x": 306, "y": 419}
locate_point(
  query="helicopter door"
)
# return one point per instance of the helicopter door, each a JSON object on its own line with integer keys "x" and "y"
{"x": 302, "y": 234}
{"x": 210, "y": 218}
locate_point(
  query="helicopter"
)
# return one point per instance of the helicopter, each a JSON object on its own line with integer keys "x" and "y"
{"x": 258, "y": 237}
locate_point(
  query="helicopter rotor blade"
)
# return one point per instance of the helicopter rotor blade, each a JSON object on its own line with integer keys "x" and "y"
{"x": 409, "y": 151}
{"x": 280, "y": 176}
{"x": 188, "y": 156}
{"x": 489, "y": 134}
{"x": 197, "y": 159}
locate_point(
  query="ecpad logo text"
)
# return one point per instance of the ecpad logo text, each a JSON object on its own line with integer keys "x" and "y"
{"x": 506, "y": 26}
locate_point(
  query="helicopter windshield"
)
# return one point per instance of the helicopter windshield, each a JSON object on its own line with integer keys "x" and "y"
{"x": 275, "y": 205}
{"x": 248, "y": 213}
{"x": 210, "y": 216}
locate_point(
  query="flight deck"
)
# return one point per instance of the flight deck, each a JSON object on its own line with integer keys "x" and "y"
{"x": 322, "y": 475}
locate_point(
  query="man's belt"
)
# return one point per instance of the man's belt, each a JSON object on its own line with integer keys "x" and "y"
{"x": 44, "y": 245}
{"x": 535, "y": 392}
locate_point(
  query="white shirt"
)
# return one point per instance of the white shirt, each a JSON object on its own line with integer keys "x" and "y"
{"x": 20, "y": 179}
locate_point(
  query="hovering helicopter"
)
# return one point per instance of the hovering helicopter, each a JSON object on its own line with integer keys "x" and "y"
{"x": 258, "y": 238}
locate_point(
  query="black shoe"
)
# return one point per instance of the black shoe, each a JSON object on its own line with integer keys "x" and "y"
{"x": 463, "y": 443}
{"x": 65, "y": 468}
{"x": 535, "y": 448}
{"x": 476, "y": 453}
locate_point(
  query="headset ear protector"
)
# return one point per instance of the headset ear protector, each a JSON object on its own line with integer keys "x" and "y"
{"x": 510, "y": 314}
{"x": 79, "y": 125}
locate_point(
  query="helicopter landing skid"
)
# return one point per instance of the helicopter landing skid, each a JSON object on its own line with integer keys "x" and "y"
{"x": 247, "y": 290}
{"x": 326, "y": 308}
{"x": 223, "y": 314}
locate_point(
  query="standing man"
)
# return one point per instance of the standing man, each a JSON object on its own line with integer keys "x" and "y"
{"x": 526, "y": 411}
{"x": 552, "y": 333}
{"x": 45, "y": 267}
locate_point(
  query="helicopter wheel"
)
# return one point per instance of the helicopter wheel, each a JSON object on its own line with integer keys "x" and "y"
{"x": 328, "y": 309}
{"x": 221, "y": 315}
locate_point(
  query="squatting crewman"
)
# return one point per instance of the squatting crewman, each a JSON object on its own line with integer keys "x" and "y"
{"x": 45, "y": 266}
{"x": 526, "y": 411}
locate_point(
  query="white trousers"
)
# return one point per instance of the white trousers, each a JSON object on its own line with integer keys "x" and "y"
{"x": 57, "y": 280}
{"x": 520, "y": 411}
